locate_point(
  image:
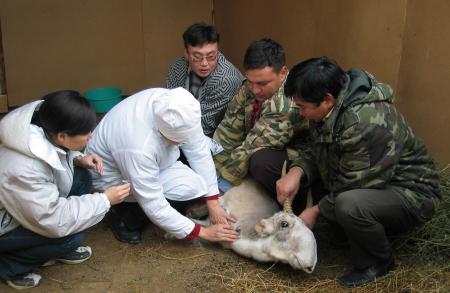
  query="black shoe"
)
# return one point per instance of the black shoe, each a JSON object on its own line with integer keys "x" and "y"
{"x": 362, "y": 277}
{"x": 120, "y": 230}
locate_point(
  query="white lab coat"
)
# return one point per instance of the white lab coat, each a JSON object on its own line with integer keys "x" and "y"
{"x": 35, "y": 181}
{"x": 133, "y": 149}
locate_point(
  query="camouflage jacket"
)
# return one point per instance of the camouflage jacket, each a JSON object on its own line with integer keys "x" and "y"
{"x": 367, "y": 143}
{"x": 276, "y": 122}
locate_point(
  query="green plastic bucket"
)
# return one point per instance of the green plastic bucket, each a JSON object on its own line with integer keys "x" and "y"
{"x": 103, "y": 99}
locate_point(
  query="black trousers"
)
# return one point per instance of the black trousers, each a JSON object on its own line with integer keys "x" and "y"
{"x": 265, "y": 167}
{"x": 368, "y": 217}
{"x": 135, "y": 218}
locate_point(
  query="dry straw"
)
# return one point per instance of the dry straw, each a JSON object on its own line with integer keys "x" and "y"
{"x": 423, "y": 264}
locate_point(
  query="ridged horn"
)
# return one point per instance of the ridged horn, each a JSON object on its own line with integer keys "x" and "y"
{"x": 287, "y": 205}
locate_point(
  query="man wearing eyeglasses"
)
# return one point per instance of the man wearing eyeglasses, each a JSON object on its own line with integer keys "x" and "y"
{"x": 206, "y": 73}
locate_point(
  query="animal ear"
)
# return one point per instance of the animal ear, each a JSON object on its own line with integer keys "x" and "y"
{"x": 259, "y": 227}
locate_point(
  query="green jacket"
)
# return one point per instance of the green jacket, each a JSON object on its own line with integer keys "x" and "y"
{"x": 367, "y": 143}
{"x": 277, "y": 120}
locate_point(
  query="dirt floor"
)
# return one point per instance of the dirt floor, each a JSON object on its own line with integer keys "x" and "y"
{"x": 159, "y": 265}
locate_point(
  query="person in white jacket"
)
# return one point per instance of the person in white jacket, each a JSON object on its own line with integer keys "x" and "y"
{"x": 45, "y": 203}
{"x": 140, "y": 141}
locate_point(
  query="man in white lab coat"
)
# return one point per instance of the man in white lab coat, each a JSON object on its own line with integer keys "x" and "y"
{"x": 139, "y": 141}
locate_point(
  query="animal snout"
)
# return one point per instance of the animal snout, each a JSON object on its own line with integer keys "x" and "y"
{"x": 303, "y": 261}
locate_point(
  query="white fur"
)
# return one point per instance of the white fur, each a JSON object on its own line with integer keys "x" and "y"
{"x": 262, "y": 236}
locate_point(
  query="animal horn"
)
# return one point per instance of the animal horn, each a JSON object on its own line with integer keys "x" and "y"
{"x": 283, "y": 170}
{"x": 287, "y": 205}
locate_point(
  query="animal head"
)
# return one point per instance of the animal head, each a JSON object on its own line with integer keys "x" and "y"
{"x": 290, "y": 240}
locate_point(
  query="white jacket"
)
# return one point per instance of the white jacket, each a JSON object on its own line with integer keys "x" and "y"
{"x": 35, "y": 181}
{"x": 133, "y": 149}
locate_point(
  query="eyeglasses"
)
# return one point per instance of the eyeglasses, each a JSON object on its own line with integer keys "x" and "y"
{"x": 211, "y": 57}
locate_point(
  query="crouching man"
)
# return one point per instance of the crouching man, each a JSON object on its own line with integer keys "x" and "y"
{"x": 380, "y": 177}
{"x": 140, "y": 141}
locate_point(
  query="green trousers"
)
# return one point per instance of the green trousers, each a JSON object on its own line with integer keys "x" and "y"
{"x": 368, "y": 217}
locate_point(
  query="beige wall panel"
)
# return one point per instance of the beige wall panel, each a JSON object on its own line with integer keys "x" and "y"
{"x": 53, "y": 44}
{"x": 424, "y": 79}
{"x": 163, "y": 26}
{"x": 365, "y": 34}
{"x": 2, "y": 67}
{"x": 3, "y": 103}
{"x": 356, "y": 33}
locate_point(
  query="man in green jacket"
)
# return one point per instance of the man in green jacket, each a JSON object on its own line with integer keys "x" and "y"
{"x": 380, "y": 178}
{"x": 260, "y": 120}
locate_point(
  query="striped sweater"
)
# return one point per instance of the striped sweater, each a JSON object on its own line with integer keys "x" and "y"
{"x": 216, "y": 90}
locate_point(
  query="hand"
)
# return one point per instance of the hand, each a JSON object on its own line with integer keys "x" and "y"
{"x": 117, "y": 194}
{"x": 217, "y": 214}
{"x": 309, "y": 216}
{"x": 288, "y": 185}
{"x": 91, "y": 161}
{"x": 219, "y": 233}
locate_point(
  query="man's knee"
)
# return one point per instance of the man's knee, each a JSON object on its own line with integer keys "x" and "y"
{"x": 72, "y": 242}
{"x": 258, "y": 164}
{"x": 349, "y": 208}
{"x": 190, "y": 187}
{"x": 82, "y": 181}
{"x": 266, "y": 164}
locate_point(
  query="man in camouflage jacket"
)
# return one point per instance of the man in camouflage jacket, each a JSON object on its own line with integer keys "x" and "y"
{"x": 380, "y": 178}
{"x": 259, "y": 117}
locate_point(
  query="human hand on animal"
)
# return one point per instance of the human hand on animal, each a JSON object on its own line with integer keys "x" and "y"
{"x": 310, "y": 215}
{"x": 219, "y": 233}
{"x": 288, "y": 185}
{"x": 91, "y": 161}
{"x": 217, "y": 214}
{"x": 117, "y": 194}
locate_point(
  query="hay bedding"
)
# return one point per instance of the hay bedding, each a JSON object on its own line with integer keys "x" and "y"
{"x": 159, "y": 265}
{"x": 423, "y": 263}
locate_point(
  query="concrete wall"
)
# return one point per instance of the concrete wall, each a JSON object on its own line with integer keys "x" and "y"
{"x": 404, "y": 43}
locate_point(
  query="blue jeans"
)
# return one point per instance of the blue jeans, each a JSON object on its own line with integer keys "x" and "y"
{"x": 21, "y": 250}
{"x": 223, "y": 184}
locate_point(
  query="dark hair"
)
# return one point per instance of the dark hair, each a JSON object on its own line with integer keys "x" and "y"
{"x": 200, "y": 34}
{"x": 67, "y": 112}
{"x": 264, "y": 52}
{"x": 314, "y": 78}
